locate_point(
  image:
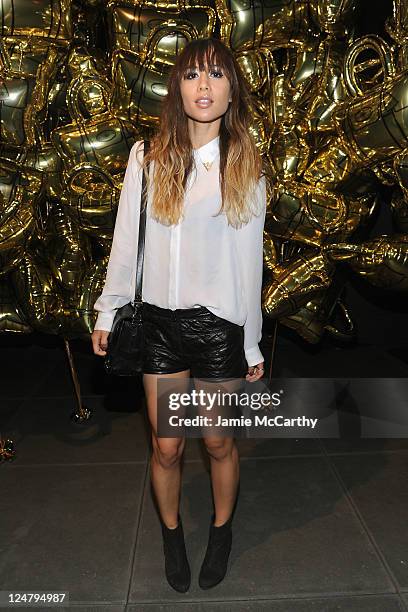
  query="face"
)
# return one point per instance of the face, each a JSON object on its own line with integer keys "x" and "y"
{"x": 206, "y": 94}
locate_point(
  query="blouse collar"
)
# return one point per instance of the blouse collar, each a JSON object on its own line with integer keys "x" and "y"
{"x": 209, "y": 151}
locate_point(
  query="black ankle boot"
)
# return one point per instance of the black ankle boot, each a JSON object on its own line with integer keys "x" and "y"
{"x": 176, "y": 563}
{"x": 214, "y": 566}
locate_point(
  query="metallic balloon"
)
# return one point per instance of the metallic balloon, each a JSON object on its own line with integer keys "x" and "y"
{"x": 43, "y": 19}
{"x": 131, "y": 27}
{"x": 296, "y": 283}
{"x": 21, "y": 190}
{"x": 383, "y": 260}
{"x": 329, "y": 116}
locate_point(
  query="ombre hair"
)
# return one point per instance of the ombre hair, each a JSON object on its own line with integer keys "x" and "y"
{"x": 241, "y": 164}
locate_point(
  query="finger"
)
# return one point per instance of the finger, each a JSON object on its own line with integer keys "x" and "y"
{"x": 99, "y": 351}
{"x": 255, "y": 375}
{"x": 103, "y": 347}
{"x": 251, "y": 379}
{"x": 98, "y": 348}
{"x": 259, "y": 370}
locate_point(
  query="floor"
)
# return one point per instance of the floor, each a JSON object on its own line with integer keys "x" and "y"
{"x": 320, "y": 526}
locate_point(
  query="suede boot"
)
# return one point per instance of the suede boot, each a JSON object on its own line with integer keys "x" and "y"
{"x": 215, "y": 562}
{"x": 176, "y": 563}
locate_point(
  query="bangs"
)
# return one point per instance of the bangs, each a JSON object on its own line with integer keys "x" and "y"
{"x": 202, "y": 51}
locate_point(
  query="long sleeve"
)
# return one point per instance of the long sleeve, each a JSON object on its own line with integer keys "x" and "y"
{"x": 119, "y": 282}
{"x": 250, "y": 254}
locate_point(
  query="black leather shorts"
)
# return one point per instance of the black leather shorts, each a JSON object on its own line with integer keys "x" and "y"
{"x": 192, "y": 338}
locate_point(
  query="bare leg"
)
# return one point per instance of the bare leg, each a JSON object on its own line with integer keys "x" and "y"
{"x": 165, "y": 470}
{"x": 224, "y": 458}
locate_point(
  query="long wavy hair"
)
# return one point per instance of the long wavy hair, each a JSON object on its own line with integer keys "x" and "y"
{"x": 241, "y": 164}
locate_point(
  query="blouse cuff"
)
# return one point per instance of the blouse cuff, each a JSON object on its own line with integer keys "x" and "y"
{"x": 104, "y": 321}
{"x": 253, "y": 356}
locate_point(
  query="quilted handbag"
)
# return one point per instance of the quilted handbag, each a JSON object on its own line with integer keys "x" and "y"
{"x": 125, "y": 341}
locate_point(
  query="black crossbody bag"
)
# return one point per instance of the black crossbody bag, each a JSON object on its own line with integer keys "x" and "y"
{"x": 125, "y": 341}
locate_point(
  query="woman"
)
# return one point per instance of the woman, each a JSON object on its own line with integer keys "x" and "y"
{"x": 202, "y": 275}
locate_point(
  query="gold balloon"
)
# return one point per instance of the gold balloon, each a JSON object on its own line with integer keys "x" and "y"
{"x": 382, "y": 260}
{"x": 20, "y": 192}
{"x": 43, "y": 19}
{"x": 24, "y": 96}
{"x": 11, "y": 317}
{"x": 314, "y": 216}
{"x": 254, "y": 66}
{"x": 399, "y": 208}
{"x": 37, "y": 293}
{"x": 296, "y": 284}
{"x": 329, "y": 116}
{"x": 325, "y": 313}
{"x": 69, "y": 251}
{"x": 90, "y": 200}
{"x": 129, "y": 35}
{"x": 77, "y": 317}
{"x": 140, "y": 78}
{"x": 270, "y": 24}
{"x": 334, "y": 16}
{"x": 397, "y": 25}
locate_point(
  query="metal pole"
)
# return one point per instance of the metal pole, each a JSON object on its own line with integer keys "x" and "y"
{"x": 273, "y": 350}
{"x": 82, "y": 413}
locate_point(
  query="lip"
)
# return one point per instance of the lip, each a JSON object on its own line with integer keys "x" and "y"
{"x": 204, "y": 102}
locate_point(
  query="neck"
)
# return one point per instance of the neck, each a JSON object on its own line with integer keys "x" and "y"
{"x": 202, "y": 133}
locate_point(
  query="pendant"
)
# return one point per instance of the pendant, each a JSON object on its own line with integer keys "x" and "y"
{"x": 207, "y": 165}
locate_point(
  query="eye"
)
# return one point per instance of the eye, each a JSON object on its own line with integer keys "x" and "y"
{"x": 190, "y": 73}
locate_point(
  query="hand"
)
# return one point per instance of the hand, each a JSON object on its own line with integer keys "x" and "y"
{"x": 100, "y": 341}
{"x": 255, "y": 372}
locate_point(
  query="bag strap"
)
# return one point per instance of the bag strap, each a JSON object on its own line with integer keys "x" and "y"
{"x": 142, "y": 232}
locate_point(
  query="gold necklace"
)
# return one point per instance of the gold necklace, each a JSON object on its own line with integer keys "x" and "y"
{"x": 207, "y": 165}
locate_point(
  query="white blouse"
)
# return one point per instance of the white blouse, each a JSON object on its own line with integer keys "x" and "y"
{"x": 201, "y": 261}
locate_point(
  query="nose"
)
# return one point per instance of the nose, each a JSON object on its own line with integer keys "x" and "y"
{"x": 203, "y": 82}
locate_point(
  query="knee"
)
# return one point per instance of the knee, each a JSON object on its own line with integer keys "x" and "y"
{"x": 219, "y": 448}
{"x": 167, "y": 455}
